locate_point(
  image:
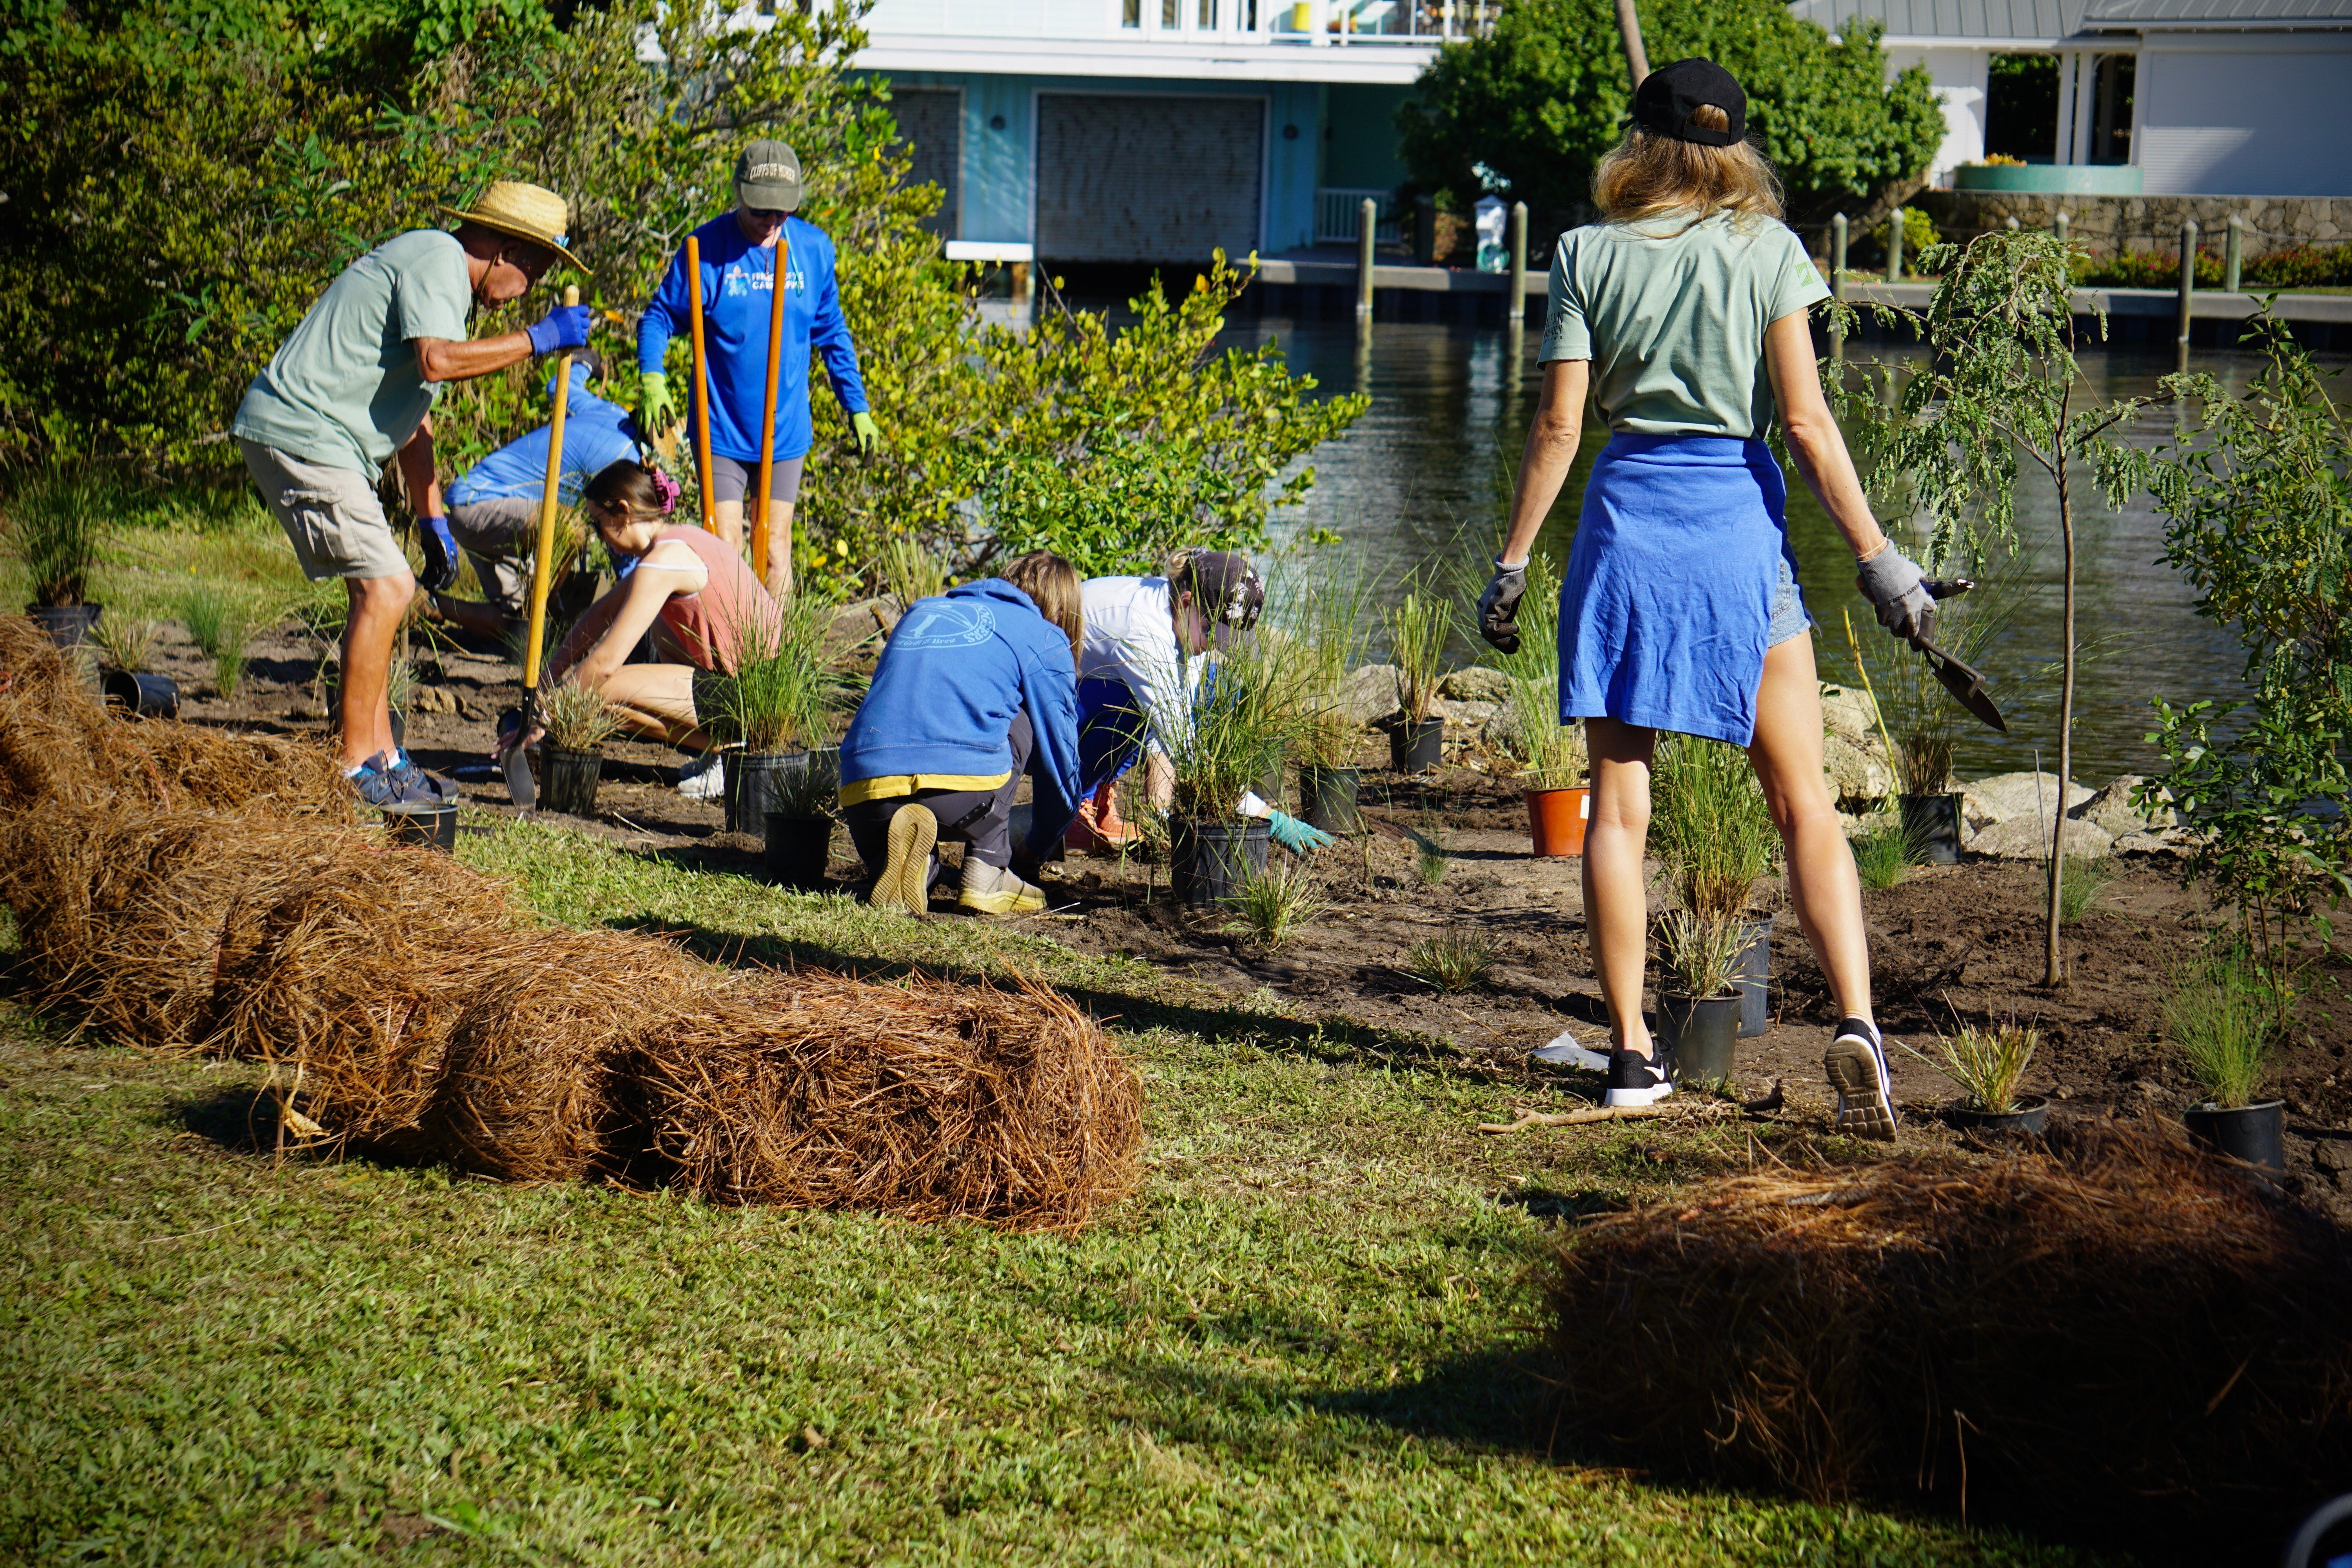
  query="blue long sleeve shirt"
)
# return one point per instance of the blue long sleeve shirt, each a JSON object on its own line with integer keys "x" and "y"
{"x": 738, "y": 286}
{"x": 596, "y": 433}
{"x": 951, "y": 679}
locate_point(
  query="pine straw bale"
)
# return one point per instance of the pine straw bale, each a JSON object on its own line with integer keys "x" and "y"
{"x": 58, "y": 742}
{"x": 2123, "y": 1328}
{"x": 544, "y": 1081}
{"x": 927, "y": 1100}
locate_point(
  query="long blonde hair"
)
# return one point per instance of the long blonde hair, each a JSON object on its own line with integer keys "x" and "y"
{"x": 1051, "y": 585}
{"x": 1649, "y": 176}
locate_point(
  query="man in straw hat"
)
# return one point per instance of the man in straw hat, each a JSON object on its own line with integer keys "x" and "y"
{"x": 352, "y": 388}
{"x": 738, "y": 254}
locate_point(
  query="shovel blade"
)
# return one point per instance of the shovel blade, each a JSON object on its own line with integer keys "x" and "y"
{"x": 1965, "y": 684}
{"x": 522, "y": 787}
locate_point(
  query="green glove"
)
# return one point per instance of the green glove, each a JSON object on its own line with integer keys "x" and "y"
{"x": 655, "y": 412}
{"x": 869, "y": 433}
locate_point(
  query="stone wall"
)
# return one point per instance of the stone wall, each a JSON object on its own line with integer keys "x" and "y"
{"x": 2105, "y": 225}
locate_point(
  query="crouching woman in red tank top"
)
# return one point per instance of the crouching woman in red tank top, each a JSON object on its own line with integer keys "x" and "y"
{"x": 698, "y": 598}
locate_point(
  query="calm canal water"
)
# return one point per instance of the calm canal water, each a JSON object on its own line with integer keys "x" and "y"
{"x": 1431, "y": 462}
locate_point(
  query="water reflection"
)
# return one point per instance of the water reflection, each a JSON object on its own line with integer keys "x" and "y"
{"x": 1431, "y": 462}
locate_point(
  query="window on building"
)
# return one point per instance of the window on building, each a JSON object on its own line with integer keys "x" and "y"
{"x": 1130, "y": 13}
{"x": 1208, "y": 13}
{"x": 1171, "y": 14}
{"x": 2111, "y": 109}
{"x": 2021, "y": 107}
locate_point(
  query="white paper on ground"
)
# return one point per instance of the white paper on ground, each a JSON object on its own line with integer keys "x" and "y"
{"x": 1568, "y": 1053}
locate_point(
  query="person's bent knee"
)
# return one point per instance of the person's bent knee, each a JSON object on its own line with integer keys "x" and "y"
{"x": 377, "y": 592}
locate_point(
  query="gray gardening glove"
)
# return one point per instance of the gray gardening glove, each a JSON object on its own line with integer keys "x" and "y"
{"x": 1498, "y": 607}
{"x": 1890, "y": 580}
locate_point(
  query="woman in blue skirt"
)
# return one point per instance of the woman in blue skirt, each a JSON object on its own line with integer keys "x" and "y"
{"x": 1683, "y": 314}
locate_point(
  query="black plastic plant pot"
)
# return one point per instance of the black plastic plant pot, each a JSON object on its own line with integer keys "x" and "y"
{"x": 799, "y": 850}
{"x": 67, "y": 625}
{"x": 1416, "y": 748}
{"x": 2248, "y": 1132}
{"x": 1753, "y": 975}
{"x": 567, "y": 780}
{"x": 423, "y": 827}
{"x": 1933, "y": 823}
{"x": 2032, "y": 1115}
{"x": 754, "y": 784}
{"x": 1703, "y": 1034}
{"x": 142, "y": 696}
{"x": 1214, "y": 860}
{"x": 1327, "y": 798}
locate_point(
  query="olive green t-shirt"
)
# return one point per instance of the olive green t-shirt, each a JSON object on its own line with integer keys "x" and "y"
{"x": 1672, "y": 314}
{"x": 344, "y": 389}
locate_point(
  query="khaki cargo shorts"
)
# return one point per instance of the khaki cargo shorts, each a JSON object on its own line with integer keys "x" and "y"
{"x": 331, "y": 515}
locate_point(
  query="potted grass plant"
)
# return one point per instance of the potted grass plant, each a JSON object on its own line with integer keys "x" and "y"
{"x": 779, "y": 703}
{"x": 2220, "y": 1020}
{"x": 1713, "y": 838}
{"x": 1322, "y": 623}
{"x": 798, "y": 828}
{"x": 572, "y": 758}
{"x": 1988, "y": 1063}
{"x": 1558, "y": 803}
{"x": 1419, "y": 625}
{"x": 56, "y": 522}
{"x": 1698, "y": 1006}
{"x": 1246, "y": 710}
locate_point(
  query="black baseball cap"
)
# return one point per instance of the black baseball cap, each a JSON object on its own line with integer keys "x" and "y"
{"x": 1663, "y": 102}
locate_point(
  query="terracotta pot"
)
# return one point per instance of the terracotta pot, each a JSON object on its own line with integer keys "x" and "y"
{"x": 1556, "y": 819}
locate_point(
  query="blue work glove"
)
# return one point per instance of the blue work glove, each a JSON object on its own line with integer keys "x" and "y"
{"x": 1891, "y": 580}
{"x": 1294, "y": 835}
{"x": 440, "y": 555}
{"x": 564, "y": 327}
{"x": 1498, "y": 607}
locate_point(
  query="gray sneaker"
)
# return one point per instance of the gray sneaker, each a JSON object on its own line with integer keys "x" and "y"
{"x": 703, "y": 778}
{"x": 380, "y": 783}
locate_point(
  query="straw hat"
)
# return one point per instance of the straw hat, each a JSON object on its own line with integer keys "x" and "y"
{"x": 527, "y": 211}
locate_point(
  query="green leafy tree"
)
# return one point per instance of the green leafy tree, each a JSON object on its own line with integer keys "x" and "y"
{"x": 1543, "y": 97}
{"x": 1942, "y": 438}
{"x": 2257, "y": 497}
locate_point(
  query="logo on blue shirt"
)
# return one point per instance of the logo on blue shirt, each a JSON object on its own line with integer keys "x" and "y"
{"x": 946, "y": 625}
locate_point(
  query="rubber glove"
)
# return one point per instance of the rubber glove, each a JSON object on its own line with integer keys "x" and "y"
{"x": 869, "y": 433}
{"x": 655, "y": 411}
{"x": 1890, "y": 580}
{"x": 1498, "y": 607}
{"x": 1293, "y": 835}
{"x": 440, "y": 572}
{"x": 564, "y": 327}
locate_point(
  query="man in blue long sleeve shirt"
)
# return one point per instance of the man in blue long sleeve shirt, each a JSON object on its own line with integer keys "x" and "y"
{"x": 494, "y": 507}
{"x": 739, "y": 278}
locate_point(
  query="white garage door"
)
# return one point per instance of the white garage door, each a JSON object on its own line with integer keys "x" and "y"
{"x": 1148, "y": 179}
{"x": 2258, "y": 122}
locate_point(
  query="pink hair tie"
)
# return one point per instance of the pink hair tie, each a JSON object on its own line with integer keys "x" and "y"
{"x": 667, "y": 489}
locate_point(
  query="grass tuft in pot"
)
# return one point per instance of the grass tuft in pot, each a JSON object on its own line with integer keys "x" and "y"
{"x": 1420, "y": 624}
{"x": 1553, "y": 751}
{"x": 782, "y": 695}
{"x": 128, "y": 642}
{"x": 57, "y": 519}
{"x": 2220, "y": 1016}
{"x": 1709, "y": 827}
{"x": 906, "y": 571}
{"x": 1320, "y": 619}
{"x": 1701, "y": 952}
{"x": 1246, "y": 709}
{"x": 1275, "y": 902}
{"x": 1988, "y": 1063}
{"x": 1458, "y": 961}
{"x": 577, "y": 717}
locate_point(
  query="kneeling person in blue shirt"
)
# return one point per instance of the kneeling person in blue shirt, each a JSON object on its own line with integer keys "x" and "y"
{"x": 974, "y": 689}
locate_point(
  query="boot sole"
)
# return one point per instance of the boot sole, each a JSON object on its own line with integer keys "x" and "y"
{"x": 905, "y": 883}
{"x": 1864, "y": 1109}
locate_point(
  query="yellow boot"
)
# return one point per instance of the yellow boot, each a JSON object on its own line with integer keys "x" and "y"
{"x": 988, "y": 890}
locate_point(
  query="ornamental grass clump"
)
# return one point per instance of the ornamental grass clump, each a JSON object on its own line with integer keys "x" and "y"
{"x": 1274, "y": 903}
{"x": 2110, "y": 1305}
{"x": 2219, "y": 1017}
{"x": 782, "y": 694}
{"x": 1420, "y": 624}
{"x": 577, "y": 718}
{"x": 1460, "y": 960}
{"x": 1989, "y": 1063}
{"x": 128, "y": 642}
{"x": 1553, "y": 750}
{"x": 221, "y": 622}
{"x": 1246, "y": 706}
{"x": 54, "y": 523}
{"x": 1709, "y": 827}
{"x": 1320, "y": 619}
{"x": 1701, "y": 952}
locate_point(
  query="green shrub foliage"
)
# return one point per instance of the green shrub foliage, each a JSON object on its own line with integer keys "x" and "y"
{"x": 1540, "y": 100}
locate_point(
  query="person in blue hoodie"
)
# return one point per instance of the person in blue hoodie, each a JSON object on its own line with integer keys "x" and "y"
{"x": 739, "y": 281}
{"x": 494, "y": 505}
{"x": 975, "y": 687}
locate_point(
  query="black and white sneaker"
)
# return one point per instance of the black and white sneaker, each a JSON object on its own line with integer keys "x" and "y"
{"x": 1856, "y": 1064}
{"x": 1636, "y": 1080}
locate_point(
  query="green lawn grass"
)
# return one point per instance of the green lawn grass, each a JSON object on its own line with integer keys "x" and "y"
{"x": 1309, "y": 1336}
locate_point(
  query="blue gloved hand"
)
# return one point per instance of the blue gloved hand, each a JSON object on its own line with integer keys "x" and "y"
{"x": 564, "y": 327}
{"x": 440, "y": 555}
{"x": 1294, "y": 835}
